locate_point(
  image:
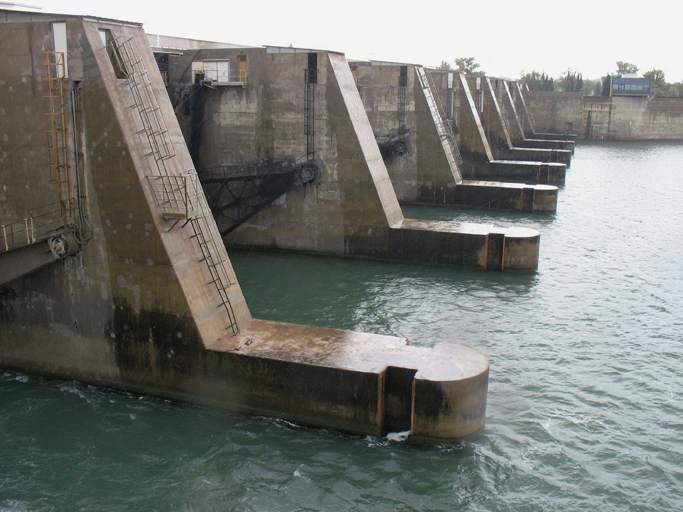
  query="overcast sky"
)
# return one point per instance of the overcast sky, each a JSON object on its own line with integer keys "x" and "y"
{"x": 505, "y": 37}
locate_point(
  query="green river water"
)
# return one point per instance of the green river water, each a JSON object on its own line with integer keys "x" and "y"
{"x": 585, "y": 408}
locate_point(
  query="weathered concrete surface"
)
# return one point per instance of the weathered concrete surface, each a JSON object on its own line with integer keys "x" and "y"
{"x": 19, "y": 262}
{"x": 138, "y": 309}
{"x": 510, "y": 118}
{"x": 352, "y": 209}
{"x": 422, "y": 169}
{"x": 478, "y": 159}
{"x": 450, "y": 379}
{"x": 608, "y": 118}
{"x": 527, "y": 119}
{"x": 497, "y": 132}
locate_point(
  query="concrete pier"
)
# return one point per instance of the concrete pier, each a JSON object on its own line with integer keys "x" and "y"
{"x": 419, "y": 147}
{"x": 498, "y": 133}
{"x": 501, "y": 90}
{"x": 478, "y": 157}
{"x": 150, "y": 302}
{"x": 284, "y": 112}
{"x": 527, "y": 121}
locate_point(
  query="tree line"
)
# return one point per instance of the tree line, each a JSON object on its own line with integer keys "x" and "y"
{"x": 573, "y": 81}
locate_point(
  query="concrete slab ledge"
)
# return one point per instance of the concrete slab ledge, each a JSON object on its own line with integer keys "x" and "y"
{"x": 438, "y": 394}
{"x": 568, "y": 145}
{"x": 555, "y": 136}
{"x": 434, "y": 243}
{"x": 466, "y": 244}
{"x": 562, "y": 156}
{"x": 491, "y": 195}
{"x": 517, "y": 171}
{"x": 496, "y": 195}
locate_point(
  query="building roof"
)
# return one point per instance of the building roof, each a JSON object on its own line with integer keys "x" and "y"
{"x": 16, "y": 16}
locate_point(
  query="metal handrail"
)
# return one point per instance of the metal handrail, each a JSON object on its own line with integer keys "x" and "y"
{"x": 232, "y": 78}
{"x": 38, "y": 225}
{"x": 177, "y": 196}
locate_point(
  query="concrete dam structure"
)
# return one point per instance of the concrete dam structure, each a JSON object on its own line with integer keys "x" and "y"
{"x": 465, "y": 114}
{"x": 113, "y": 271}
{"x": 289, "y": 162}
{"x": 419, "y": 147}
{"x": 502, "y": 92}
{"x": 527, "y": 119}
{"x": 501, "y": 143}
{"x": 617, "y": 117}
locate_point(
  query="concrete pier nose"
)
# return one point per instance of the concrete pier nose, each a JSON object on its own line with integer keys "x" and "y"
{"x": 363, "y": 383}
{"x": 487, "y": 246}
{"x": 534, "y": 198}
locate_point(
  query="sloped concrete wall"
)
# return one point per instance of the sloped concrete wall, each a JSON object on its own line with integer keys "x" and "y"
{"x": 423, "y": 173}
{"x": 133, "y": 309}
{"x": 353, "y": 199}
{"x": 378, "y": 86}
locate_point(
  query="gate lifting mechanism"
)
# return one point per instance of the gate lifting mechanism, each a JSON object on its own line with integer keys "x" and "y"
{"x": 236, "y": 193}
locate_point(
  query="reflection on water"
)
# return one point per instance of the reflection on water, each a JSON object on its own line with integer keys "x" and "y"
{"x": 585, "y": 402}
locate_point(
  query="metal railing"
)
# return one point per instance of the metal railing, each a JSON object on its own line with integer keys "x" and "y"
{"x": 176, "y": 196}
{"x": 39, "y": 225}
{"x": 222, "y": 77}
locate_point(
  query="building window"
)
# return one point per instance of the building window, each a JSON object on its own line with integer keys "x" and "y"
{"x": 217, "y": 71}
{"x": 59, "y": 40}
{"x": 403, "y": 77}
{"x": 312, "y": 70}
{"x": 113, "y": 53}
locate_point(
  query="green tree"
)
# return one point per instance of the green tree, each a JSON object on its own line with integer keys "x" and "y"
{"x": 570, "y": 81}
{"x": 538, "y": 81}
{"x": 444, "y": 66}
{"x": 468, "y": 66}
{"x": 657, "y": 78}
{"x": 607, "y": 84}
{"x": 624, "y": 68}
{"x": 592, "y": 87}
